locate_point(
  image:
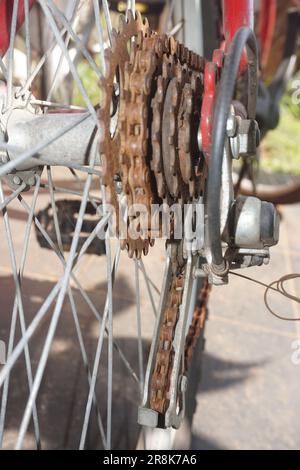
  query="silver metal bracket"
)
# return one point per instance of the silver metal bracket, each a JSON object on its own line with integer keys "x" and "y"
{"x": 23, "y": 178}
{"x": 178, "y": 382}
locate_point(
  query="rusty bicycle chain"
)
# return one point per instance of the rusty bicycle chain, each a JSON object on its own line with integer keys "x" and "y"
{"x": 161, "y": 376}
{"x": 198, "y": 323}
{"x": 160, "y": 382}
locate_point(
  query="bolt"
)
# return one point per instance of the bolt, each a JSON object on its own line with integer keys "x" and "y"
{"x": 199, "y": 273}
{"x": 17, "y": 180}
{"x": 235, "y": 147}
{"x": 31, "y": 181}
{"x": 248, "y": 137}
{"x": 184, "y": 384}
{"x": 231, "y": 126}
{"x": 220, "y": 270}
{"x": 4, "y": 157}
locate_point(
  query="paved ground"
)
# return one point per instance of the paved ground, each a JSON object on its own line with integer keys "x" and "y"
{"x": 249, "y": 397}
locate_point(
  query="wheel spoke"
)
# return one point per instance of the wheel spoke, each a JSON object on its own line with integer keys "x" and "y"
{"x": 27, "y": 38}
{"x": 44, "y": 58}
{"x": 102, "y": 330}
{"x": 18, "y": 306}
{"x": 107, "y": 19}
{"x": 176, "y": 29}
{"x": 57, "y": 310}
{"x": 11, "y": 52}
{"x": 148, "y": 285}
{"x": 139, "y": 326}
{"x": 99, "y": 32}
{"x": 72, "y": 67}
{"x": 75, "y": 38}
{"x": 12, "y": 197}
{"x": 171, "y": 7}
{"x": 151, "y": 283}
{"x": 61, "y": 58}
{"x": 130, "y": 6}
{"x": 87, "y": 366}
{"x": 63, "y": 190}
{"x": 31, "y": 329}
{"x": 79, "y": 181}
{"x": 73, "y": 306}
{"x": 3, "y": 69}
{"x": 51, "y": 104}
{"x": 15, "y": 309}
{"x": 110, "y": 340}
{"x": 74, "y": 166}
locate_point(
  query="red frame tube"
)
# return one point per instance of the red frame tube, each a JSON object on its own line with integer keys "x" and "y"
{"x": 267, "y": 23}
{"x": 236, "y": 14}
{"x": 6, "y": 10}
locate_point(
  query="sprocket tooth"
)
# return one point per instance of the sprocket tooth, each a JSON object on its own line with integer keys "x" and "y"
{"x": 130, "y": 252}
{"x": 173, "y": 46}
{"x": 146, "y": 23}
{"x": 130, "y": 16}
{"x": 107, "y": 59}
{"x": 122, "y": 23}
{"x": 114, "y": 38}
{"x": 104, "y": 101}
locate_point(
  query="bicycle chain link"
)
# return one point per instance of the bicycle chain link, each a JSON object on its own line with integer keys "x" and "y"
{"x": 161, "y": 375}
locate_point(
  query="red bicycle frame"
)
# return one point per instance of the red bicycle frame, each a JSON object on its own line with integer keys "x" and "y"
{"x": 236, "y": 14}
{"x": 6, "y": 11}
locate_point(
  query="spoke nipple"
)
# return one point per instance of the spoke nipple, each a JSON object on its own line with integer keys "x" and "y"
{"x": 32, "y": 181}
{"x": 17, "y": 180}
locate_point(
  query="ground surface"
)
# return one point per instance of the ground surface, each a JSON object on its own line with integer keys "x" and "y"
{"x": 249, "y": 397}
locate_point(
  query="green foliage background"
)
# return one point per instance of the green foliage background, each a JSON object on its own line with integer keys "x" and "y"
{"x": 281, "y": 148}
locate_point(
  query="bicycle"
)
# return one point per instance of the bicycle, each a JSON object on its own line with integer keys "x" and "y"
{"x": 160, "y": 140}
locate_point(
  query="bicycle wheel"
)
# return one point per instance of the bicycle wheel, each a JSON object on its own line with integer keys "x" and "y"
{"x": 76, "y": 319}
{"x": 276, "y": 188}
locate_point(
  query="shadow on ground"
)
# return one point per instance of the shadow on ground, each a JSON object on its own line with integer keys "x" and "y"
{"x": 64, "y": 391}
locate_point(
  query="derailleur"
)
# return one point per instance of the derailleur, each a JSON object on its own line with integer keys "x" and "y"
{"x": 252, "y": 229}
